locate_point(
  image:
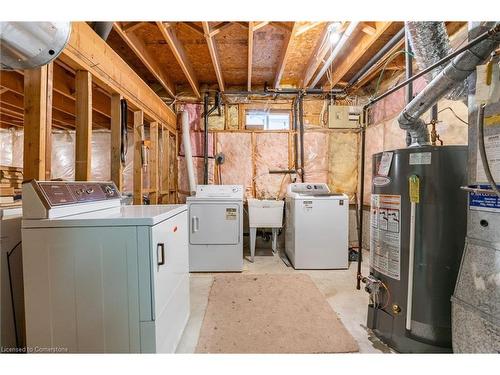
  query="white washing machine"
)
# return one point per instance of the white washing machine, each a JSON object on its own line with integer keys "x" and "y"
{"x": 100, "y": 277}
{"x": 11, "y": 281}
{"x": 216, "y": 229}
{"x": 316, "y": 227}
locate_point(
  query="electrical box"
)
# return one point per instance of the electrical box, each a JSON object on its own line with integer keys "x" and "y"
{"x": 343, "y": 116}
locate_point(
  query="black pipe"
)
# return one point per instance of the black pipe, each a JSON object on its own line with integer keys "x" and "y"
{"x": 296, "y": 135}
{"x": 207, "y": 112}
{"x": 301, "y": 138}
{"x": 386, "y": 48}
{"x": 361, "y": 198}
{"x": 205, "y": 139}
{"x": 408, "y": 74}
{"x": 445, "y": 59}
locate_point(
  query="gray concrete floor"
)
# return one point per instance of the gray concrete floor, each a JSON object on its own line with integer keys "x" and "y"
{"x": 338, "y": 286}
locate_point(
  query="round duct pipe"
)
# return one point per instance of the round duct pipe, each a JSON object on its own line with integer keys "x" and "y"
{"x": 27, "y": 45}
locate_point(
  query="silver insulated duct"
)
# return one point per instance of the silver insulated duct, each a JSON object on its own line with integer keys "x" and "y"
{"x": 27, "y": 45}
{"x": 430, "y": 43}
{"x": 450, "y": 77}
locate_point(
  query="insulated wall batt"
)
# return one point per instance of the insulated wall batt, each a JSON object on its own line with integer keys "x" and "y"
{"x": 316, "y": 157}
{"x": 271, "y": 153}
{"x": 343, "y": 162}
{"x": 238, "y": 164}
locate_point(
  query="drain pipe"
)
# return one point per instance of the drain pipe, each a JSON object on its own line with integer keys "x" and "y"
{"x": 450, "y": 77}
{"x": 188, "y": 154}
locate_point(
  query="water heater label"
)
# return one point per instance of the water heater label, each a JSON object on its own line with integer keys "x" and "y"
{"x": 420, "y": 158}
{"x": 385, "y": 234}
{"x": 483, "y": 201}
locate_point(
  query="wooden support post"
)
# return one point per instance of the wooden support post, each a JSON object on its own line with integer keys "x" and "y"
{"x": 138, "y": 139}
{"x": 35, "y": 122}
{"x": 116, "y": 141}
{"x": 83, "y": 122}
{"x": 48, "y": 130}
{"x": 165, "y": 183}
{"x": 153, "y": 162}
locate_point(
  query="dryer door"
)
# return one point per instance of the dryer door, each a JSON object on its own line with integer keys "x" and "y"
{"x": 214, "y": 224}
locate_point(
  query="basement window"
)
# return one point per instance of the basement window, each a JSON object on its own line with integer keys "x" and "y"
{"x": 267, "y": 119}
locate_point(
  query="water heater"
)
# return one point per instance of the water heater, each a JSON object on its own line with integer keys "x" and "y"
{"x": 417, "y": 232}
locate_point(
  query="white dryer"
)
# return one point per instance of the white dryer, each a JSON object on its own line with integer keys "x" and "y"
{"x": 216, "y": 229}
{"x": 316, "y": 227}
{"x": 100, "y": 277}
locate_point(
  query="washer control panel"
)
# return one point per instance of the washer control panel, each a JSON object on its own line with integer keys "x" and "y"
{"x": 57, "y": 193}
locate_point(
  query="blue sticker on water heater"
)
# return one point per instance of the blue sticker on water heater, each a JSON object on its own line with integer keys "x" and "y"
{"x": 483, "y": 201}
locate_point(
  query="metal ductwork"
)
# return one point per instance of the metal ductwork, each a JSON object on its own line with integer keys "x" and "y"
{"x": 430, "y": 43}
{"x": 27, "y": 45}
{"x": 450, "y": 77}
{"x": 102, "y": 29}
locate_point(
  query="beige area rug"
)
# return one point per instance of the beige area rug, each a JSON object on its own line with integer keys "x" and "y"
{"x": 271, "y": 314}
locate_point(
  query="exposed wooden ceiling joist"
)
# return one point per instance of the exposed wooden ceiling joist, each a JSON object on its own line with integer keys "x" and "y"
{"x": 250, "y": 56}
{"x": 317, "y": 57}
{"x": 193, "y": 26}
{"x": 131, "y": 26}
{"x": 364, "y": 43}
{"x": 258, "y": 25}
{"x": 307, "y": 27}
{"x": 284, "y": 54}
{"x": 214, "y": 55}
{"x": 214, "y": 30}
{"x": 139, "y": 48}
{"x": 180, "y": 55}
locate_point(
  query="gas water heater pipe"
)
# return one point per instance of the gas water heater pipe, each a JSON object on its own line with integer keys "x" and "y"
{"x": 414, "y": 192}
{"x": 188, "y": 154}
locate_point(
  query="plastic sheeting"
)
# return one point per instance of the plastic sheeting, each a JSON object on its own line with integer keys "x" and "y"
{"x": 6, "y": 153}
{"x": 343, "y": 162}
{"x": 238, "y": 164}
{"x": 316, "y": 157}
{"x": 271, "y": 153}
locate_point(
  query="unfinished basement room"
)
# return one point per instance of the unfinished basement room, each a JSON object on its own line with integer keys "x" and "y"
{"x": 204, "y": 180}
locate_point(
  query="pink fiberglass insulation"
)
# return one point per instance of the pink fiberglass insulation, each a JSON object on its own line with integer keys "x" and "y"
{"x": 194, "y": 111}
{"x": 393, "y": 104}
{"x": 271, "y": 153}
{"x": 198, "y": 144}
{"x": 315, "y": 157}
{"x": 237, "y": 167}
{"x": 198, "y": 173}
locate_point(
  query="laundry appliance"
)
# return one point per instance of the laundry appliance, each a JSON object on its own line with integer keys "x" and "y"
{"x": 316, "y": 231}
{"x": 216, "y": 228}
{"x": 101, "y": 277}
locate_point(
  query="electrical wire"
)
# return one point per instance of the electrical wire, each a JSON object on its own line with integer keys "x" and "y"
{"x": 482, "y": 150}
{"x": 389, "y": 59}
{"x": 454, "y": 113}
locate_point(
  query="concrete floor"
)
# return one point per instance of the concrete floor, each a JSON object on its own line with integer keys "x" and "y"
{"x": 338, "y": 286}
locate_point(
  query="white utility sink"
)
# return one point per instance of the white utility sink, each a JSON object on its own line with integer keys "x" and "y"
{"x": 264, "y": 213}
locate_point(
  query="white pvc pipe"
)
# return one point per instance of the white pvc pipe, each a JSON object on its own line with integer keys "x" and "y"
{"x": 186, "y": 141}
{"x": 411, "y": 255}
